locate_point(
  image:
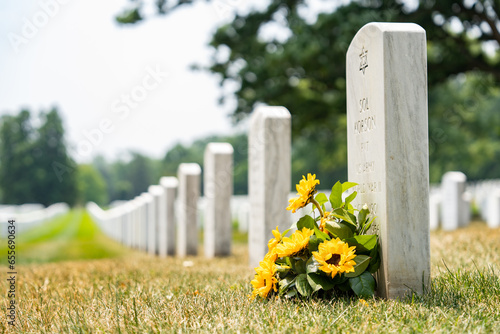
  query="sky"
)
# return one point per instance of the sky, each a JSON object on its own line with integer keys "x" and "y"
{"x": 118, "y": 88}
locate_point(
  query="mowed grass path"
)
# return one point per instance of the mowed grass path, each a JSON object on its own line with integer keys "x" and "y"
{"x": 73, "y": 236}
{"x": 134, "y": 292}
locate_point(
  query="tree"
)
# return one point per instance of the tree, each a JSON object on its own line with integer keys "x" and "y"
{"x": 465, "y": 127}
{"x": 306, "y": 72}
{"x": 35, "y": 166}
{"x": 91, "y": 186}
{"x": 454, "y": 28}
{"x": 127, "y": 178}
{"x": 16, "y": 159}
{"x": 55, "y": 170}
{"x": 141, "y": 173}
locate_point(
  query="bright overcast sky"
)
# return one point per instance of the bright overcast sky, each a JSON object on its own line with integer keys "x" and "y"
{"x": 109, "y": 81}
{"x": 83, "y": 62}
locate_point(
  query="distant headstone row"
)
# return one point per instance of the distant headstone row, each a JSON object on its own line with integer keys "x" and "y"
{"x": 164, "y": 220}
{"x": 28, "y": 216}
{"x": 451, "y": 204}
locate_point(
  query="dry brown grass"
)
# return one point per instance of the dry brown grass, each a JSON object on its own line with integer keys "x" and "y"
{"x": 139, "y": 293}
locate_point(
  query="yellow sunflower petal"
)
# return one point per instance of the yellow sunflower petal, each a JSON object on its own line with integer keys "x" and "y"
{"x": 305, "y": 191}
{"x": 295, "y": 243}
{"x": 335, "y": 257}
{"x": 265, "y": 279}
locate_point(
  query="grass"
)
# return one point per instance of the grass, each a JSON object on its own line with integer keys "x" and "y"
{"x": 73, "y": 236}
{"x": 138, "y": 293}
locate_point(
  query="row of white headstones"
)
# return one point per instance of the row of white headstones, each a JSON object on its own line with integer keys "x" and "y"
{"x": 387, "y": 156}
{"x": 28, "y": 216}
{"x": 450, "y": 205}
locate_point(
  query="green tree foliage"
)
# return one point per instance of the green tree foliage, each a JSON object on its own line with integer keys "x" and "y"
{"x": 141, "y": 173}
{"x": 91, "y": 186}
{"x": 127, "y": 178}
{"x": 35, "y": 166}
{"x": 55, "y": 178}
{"x": 305, "y": 72}
{"x": 465, "y": 127}
{"x": 16, "y": 159}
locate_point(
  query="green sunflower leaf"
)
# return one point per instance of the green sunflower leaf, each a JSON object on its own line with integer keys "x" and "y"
{"x": 363, "y": 285}
{"x": 285, "y": 233}
{"x": 345, "y": 215}
{"x": 354, "y": 224}
{"x": 375, "y": 259}
{"x": 348, "y": 185}
{"x": 362, "y": 262}
{"x": 340, "y": 230}
{"x": 350, "y": 198}
{"x": 344, "y": 286}
{"x": 375, "y": 265}
{"x": 363, "y": 243}
{"x": 368, "y": 225}
{"x": 321, "y": 198}
{"x": 291, "y": 293}
{"x": 318, "y": 282}
{"x": 298, "y": 265}
{"x": 282, "y": 269}
{"x": 285, "y": 284}
{"x": 336, "y": 195}
{"x": 362, "y": 217}
{"x": 312, "y": 265}
{"x": 314, "y": 243}
{"x": 320, "y": 235}
{"x": 303, "y": 286}
{"x": 306, "y": 221}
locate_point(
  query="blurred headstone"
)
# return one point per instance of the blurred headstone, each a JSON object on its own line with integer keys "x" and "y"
{"x": 189, "y": 191}
{"x": 218, "y": 189}
{"x": 452, "y": 190}
{"x": 269, "y": 174}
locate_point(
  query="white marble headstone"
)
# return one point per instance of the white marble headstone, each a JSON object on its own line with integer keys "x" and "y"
{"x": 388, "y": 148}
{"x": 466, "y": 214}
{"x": 169, "y": 184}
{"x": 134, "y": 226}
{"x": 218, "y": 189}
{"x": 452, "y": 189}
{"x": 493, "y": 220}
{"x": 159, "y": 218}
{"x": 147, "y": 201}
{"x": 269, "y": 177}
{"x": 189, "y": 175}
{"x": 434, "y": 208}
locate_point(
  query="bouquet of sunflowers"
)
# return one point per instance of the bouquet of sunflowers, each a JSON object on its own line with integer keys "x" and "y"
{"x": 328, "y": 254}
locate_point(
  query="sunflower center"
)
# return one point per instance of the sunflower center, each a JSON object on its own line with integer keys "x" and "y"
{"x": 335, "y": 259}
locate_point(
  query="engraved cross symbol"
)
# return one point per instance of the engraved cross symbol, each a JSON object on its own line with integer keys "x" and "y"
{"x": 363, "y": 56}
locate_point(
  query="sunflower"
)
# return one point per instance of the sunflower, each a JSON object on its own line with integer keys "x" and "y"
{"x": 324, "y": 219}
{"x": 274, "y": 241}
{"x": 265, "y": 279}
{"x": 297, "y": 242}
{"x": 305, "y": 191}
{"x": 335, "y": 257}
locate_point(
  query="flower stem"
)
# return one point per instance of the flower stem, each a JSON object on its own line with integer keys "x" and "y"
{"x": 313, "y": 201}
